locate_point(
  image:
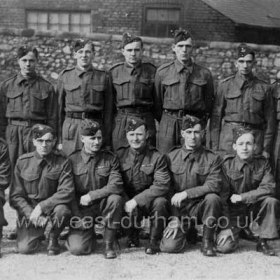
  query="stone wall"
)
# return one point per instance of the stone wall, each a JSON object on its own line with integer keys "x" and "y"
{"x": 55, "y": 53}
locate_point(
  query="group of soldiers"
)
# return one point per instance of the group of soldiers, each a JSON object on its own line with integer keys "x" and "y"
{"x": 88, "y": 151}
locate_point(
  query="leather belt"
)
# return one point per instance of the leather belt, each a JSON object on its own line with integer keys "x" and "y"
{"x": 22, "y": 122}
{"x": 135, "y": 110}
{"x": 182, "y": 113}
{"x": 247, "y": 125}
{"x": 84, "y": 115}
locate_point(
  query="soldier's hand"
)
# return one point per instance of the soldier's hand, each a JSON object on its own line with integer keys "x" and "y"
{"x": 42, "y": 221}
{"x": 177, "y": 198}
{"x": 130, "y": 206}
{"x": 172, "y": 229}
{"x": 223, "y": 237}
{"x": 235, "y": 198}
{"x": 36, "y": 213}
{"x": 59, "y": 147}
{"x": 266, "y": 154}
{"x": 85, "y": 200}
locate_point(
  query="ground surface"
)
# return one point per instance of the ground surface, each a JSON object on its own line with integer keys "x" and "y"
{"x": 134, "y": 264}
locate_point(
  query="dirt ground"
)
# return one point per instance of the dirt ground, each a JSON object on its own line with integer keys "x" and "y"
{"x": 246, "y": 263}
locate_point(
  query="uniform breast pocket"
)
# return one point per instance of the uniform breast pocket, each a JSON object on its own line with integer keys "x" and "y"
{"x": 147, "y": 173}
{"x": 73, "y": 94}
{"x": 233, "y": 100}
{"x": 102, "y": 175}
{"x": 14, "y": 101}
{"x": 236, "y": 178}
{"x": 171, "y": 88}
{"x": 81, "y": 179}
{"x": 122, "y": 87}
{"x": 179, "y": 176}
{"x": 257, "y": 101}
{"x": 31, "y": 182}
{"x": 146, "y": 89}
{"x": 96, "y": 95}
{"x": 51, "y": 180}
{"x": 257, "y": 178}
{"x": 38, "y": 103}
{"x": 196, "y": 90}
{"x": 202, "y": 173}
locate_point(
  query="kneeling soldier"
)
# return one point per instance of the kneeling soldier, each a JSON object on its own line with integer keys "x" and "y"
{"x": 248, "y": 193}
{"x": 42, "y": 189}
{"x": 5, "y": 177}
{"x": 196, "y": 183}
{"x": 99, "y": 187}
{"x": 146, "y": 182}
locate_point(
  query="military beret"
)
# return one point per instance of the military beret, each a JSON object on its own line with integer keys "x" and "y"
{"x": 24, "y": 50}
{"x": 89, "y": 127}
{"x": 189, "y": 121}
{"x": 181, "y": 35}
{"x": 129, "y": 38}
{"x": 243, "y": 49}
{"x": 79, "y": 44}
{"x": 239, "y": 131}
{"x": 134, "y": 123}
{"x": 39, "y": 130}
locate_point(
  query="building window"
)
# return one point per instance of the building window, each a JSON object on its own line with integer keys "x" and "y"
{"x": 159, "y": 22}
{"x": 59, "y": 21}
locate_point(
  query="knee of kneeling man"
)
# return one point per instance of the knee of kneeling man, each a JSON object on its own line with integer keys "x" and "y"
{"x": 78, "y": 250}
{"x": 160, "y": 202}
{"x": 25, "y": 248}
{"x": 172, "y": 246}
{"x": 271, "y": 201}
{"x": 62, "y": 211}
{"x": 228, "y": 247}
{"x": 213, "y": 198}
{"x": 115, "y": 199}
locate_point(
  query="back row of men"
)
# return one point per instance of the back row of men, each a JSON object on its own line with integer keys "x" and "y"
{"x": 136, "y": 89}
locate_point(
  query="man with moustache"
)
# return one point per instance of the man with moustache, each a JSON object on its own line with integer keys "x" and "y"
{"x": 133, "y": 88}
{"x": 146, "y": 184}
{"x": 248, "y": 195}
{"x": 182, "y": 87}
{"x": 41, "y": 191}
{"x": 84, "y": 93}
{"x": 243, "y": 100}
{"x": 98, "y": 186}
{"x": 196, "y": 184}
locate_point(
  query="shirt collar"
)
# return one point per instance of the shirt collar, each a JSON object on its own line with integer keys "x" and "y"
{"x": 20, "y": 78}
{"x": 195, "y": 154}
{"x": 80, "y": 71}
{"x": 86, "y": 156}
{"x": 40, "y": 159}
{"x": 180, "y": 67}
{"x": 240, "y": 163}
{"x": 133, "y": 69}
{"x": 240, "y": 80}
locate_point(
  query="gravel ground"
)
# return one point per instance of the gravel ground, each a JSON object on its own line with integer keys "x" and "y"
{"x": 134, "y": 264}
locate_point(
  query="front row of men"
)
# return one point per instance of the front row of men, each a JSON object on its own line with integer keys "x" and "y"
{"x": 190, "y": 185}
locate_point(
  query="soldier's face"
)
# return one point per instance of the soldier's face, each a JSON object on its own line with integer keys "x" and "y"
{"x": 92, "y": 143}
{"x": 183, "y": 50}
{"x": 137, "y": 138}
{"x": 44, "y": 144}
{"x": 84, "y": 56}
{"x": 27, "y": 64}
{"x": 245, "y": 146}
{"x": 193, "y": 137}
{"x": 245, "y": 64}
{"x": 133, "y": 53}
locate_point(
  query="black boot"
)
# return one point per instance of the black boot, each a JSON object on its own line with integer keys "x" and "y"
{"x": 155, "y": 237}
{"x": 53, "y": 247}
{"x": 207, "y": 247}
{"x": 262, "y": 246}
{"x": 0, "y": 241}
{"x": 153, "y": 247}
{"x": 133, "y": 238}
{"x": 109, "y": 240}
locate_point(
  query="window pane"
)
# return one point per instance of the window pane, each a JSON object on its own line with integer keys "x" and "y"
{"x": 63, "y": 18}
{"x": 43, "y": 18}
{"x": 154, "y": 14}
{"x": 32, "y": 17}
{"x": 85, "y": 19}
{"x": 54, "y": 18}
{"x": 75, "y": 18}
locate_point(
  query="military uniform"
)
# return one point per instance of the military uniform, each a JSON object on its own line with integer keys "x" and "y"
{"x": 83, "y": 95}
{"x": 134, "y": 96}
{"x": 276, "y": 144}
{"x": 198, "y": 173}
{"x": 25, "y": 102}
{"x": 5, "y": 177}
{"x": 99, "y": 176}
{"x": 181, "y": 91}
{"x": 46, "y": 181}
{"x": 254, "y": 181}
{"x": 147, "y": 181}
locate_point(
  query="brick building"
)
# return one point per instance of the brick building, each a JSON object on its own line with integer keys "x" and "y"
{"x": 255, "y": 21}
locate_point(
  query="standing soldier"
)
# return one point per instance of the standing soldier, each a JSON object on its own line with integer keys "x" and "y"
{"x": 42, "y": 190}
{"x": 26, "y": 99}
{"x": 248, "y": 195}
{"x": 243, "y": 100}
{"x": 84, "y": 93}
{"x": 5, "y": 177}
{"x": 99, "y": 186}
{"x": 182, "y": 87}
{"x": 146, "y": 183}
{"x": 133, "y": 86}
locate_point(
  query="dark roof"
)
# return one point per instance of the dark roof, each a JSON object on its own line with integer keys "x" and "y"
{"x": 265, "y": 13}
